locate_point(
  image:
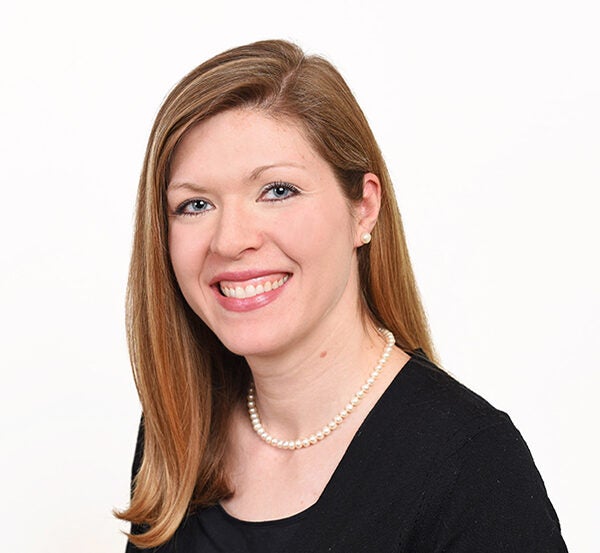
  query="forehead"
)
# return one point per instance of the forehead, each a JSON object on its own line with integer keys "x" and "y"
{"x": 241, "y": 140}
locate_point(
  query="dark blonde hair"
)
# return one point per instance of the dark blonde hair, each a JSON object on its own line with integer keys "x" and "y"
{"x": 188, "y": 382}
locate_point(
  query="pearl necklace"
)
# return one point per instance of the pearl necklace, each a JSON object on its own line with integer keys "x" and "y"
{"x": 336, "y": 421}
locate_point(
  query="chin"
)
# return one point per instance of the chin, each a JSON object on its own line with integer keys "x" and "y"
{"x": 250, "y": 342}
{"x": 249, "y": 348}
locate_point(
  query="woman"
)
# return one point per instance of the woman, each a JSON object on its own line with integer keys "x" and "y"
{"x": 279, "y": 345}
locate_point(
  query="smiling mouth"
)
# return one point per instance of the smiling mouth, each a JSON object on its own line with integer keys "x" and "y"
{"x": 254, "y": 287}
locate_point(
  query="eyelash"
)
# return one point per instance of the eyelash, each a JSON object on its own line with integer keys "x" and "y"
{"x": 181, "y": 209}
{"x": 279, "y": 184}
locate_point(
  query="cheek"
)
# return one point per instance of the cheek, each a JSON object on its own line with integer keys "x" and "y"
{"x": 186, "y": 252}
{"x": 320, "y": 235}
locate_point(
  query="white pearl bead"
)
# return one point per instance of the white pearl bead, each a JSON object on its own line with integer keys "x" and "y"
{"x": 338, "y": 419}
{"x": 305, "y": 442}
{"x": 326, "y": 430}
{"x": 313, "y": 439}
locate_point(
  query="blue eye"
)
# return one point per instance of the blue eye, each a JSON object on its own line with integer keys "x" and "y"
{"x": 193, "y": 207}
{"x": 277, "y": 191}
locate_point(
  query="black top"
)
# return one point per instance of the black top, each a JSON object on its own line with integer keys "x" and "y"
{"x": 433, "y": 468}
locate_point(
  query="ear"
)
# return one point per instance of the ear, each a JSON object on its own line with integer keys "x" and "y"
{"x": 367, "y": 208}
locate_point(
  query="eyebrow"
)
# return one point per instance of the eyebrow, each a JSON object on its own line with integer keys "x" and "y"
{"x": 254, "y": 174}
{"x": 186, "y": 185}
{"x": 260, "y": 170}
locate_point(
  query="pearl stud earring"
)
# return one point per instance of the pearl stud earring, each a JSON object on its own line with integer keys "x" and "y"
{"x": 365, "y": 237}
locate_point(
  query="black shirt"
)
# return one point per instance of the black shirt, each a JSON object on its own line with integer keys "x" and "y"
{"x": 433, "y": 468}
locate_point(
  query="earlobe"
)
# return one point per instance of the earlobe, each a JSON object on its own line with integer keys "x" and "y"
{"x": 368, "y": 207}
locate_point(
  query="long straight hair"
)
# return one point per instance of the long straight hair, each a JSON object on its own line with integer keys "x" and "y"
{"x": 188, "y": 382}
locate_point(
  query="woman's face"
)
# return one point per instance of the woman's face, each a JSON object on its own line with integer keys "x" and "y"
{"x": 262, "y": 240}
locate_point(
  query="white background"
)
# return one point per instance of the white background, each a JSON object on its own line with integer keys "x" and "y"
{"x": 488, "y": 114}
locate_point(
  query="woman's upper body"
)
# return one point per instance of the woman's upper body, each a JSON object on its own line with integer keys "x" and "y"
{"x": 269, "y": 267}
{"x": 432, "y": 468}
{"x": 306, "y": 343}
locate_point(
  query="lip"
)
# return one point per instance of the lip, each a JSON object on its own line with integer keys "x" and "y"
{"x": 247, "y": 276}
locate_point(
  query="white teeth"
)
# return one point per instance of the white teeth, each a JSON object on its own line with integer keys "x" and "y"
{"x": 251, "y": 290}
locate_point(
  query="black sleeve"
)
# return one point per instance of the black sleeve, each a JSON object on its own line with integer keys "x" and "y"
{"x": 137, "y": 463}
{"x": 490, "y": 497}
{"x": 139, "y": 453}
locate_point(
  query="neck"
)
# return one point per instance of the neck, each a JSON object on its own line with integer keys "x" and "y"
{"x": 299, "y": 391}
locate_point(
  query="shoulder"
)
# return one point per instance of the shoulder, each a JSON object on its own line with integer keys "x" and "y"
{"x": 428, "y": 429}
{"x": 428, "y": 402}
{"x": 472, "y": 477}
{"x": 435, "y": 467}
{"x": 451, "y": 425}
{"x": 424, "y": 419}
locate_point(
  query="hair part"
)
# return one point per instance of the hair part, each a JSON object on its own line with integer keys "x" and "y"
{"x": 186, "y": 379}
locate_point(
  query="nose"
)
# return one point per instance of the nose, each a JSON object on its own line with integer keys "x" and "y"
{"x": 237, "y": 230}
